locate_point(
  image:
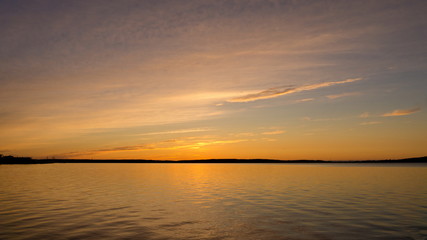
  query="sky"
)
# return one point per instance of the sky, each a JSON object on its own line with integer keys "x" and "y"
{"x": 172, "y": 80}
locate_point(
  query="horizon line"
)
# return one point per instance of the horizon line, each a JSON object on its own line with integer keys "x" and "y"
{"x": 17, "y": 160}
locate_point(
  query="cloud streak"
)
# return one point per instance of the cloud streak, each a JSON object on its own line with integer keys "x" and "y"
{"x": 274, "y": 132}
{"x": 401, "y": 112}
{"x": 191, "y": 130}
{"x": 370, "y": 123}
{"x": 304, "y": 100}
{"x": 364, "y": 115}
{"x": 348, "y": 94}
{"x": 276, "y": 92}
{"x": 171, "y": 144}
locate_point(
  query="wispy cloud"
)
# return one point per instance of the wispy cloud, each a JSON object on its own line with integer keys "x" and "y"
{"x": 320, "y": 119}
{"x": 364, "y": 115}
{"x": 348, "y": 94}
{"x": 171, "y": 144}
{"x": 304, "y": 100}
{"x": 370, "y": 123}
{"x": 191, "y": 130}
{"x": 78, "y": 154}
{"x": 202, "y": 144}
{"x": 244, "y": 134}
{"x": 274, "y": 132}
{"x": 268, "y": 139}
{"x": 402, "y": 112}
{"x": 276, "y": 92}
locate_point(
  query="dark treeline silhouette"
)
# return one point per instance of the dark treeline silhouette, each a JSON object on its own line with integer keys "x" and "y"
{"x": 16, "y": 160}
{"x": 28, "y": 160}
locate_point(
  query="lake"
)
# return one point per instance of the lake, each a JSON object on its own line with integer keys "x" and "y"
{"x": 213, "y": 201}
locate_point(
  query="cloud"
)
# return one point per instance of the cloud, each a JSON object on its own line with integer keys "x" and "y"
{"x": 273, "y": 132}
{"x": 304, "y": 100}
{"x": 268, "y": 139}
{"x": 171, "y": 144}
{"x": 276, "y": 92}
{"x": 320, "y": 119}
{"x": 202, "y": 144}
{"x": 402, "y": 112}
{"x": 364, "y": 115}
{"x": 348, "y": 94}
{"x": 370, "y": 123}
{"x": 244, "y": 134}
{"x": 191, "y": 130}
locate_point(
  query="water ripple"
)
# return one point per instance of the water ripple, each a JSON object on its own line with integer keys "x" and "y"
{"x": 217, "y": 201}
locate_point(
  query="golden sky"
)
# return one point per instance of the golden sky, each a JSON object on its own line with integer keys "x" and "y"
{"x": 333, "y": 80}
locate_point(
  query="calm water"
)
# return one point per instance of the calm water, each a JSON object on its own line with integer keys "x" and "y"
{"x": 213, "y": 201}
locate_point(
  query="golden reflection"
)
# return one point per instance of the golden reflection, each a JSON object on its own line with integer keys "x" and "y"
{"x": 191, "y": 200}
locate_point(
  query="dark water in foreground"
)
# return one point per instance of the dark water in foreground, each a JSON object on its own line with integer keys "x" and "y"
{"x": 213, "y": 201}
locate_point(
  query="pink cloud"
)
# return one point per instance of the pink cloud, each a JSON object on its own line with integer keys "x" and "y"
{"x": 402, "y": 112}
{"x": 276, "y": 92}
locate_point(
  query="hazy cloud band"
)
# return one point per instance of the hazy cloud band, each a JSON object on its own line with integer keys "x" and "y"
{"x": 402, "y": 112}
{"x": 276, "y": 92}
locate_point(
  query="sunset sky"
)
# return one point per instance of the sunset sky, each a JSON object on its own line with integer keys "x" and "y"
{"x": 333, "y": 80}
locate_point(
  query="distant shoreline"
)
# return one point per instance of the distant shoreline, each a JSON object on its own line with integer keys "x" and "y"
{"x": 46, "y": 161}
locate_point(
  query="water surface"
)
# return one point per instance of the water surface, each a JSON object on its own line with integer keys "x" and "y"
{"x": 213, "y": 201}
